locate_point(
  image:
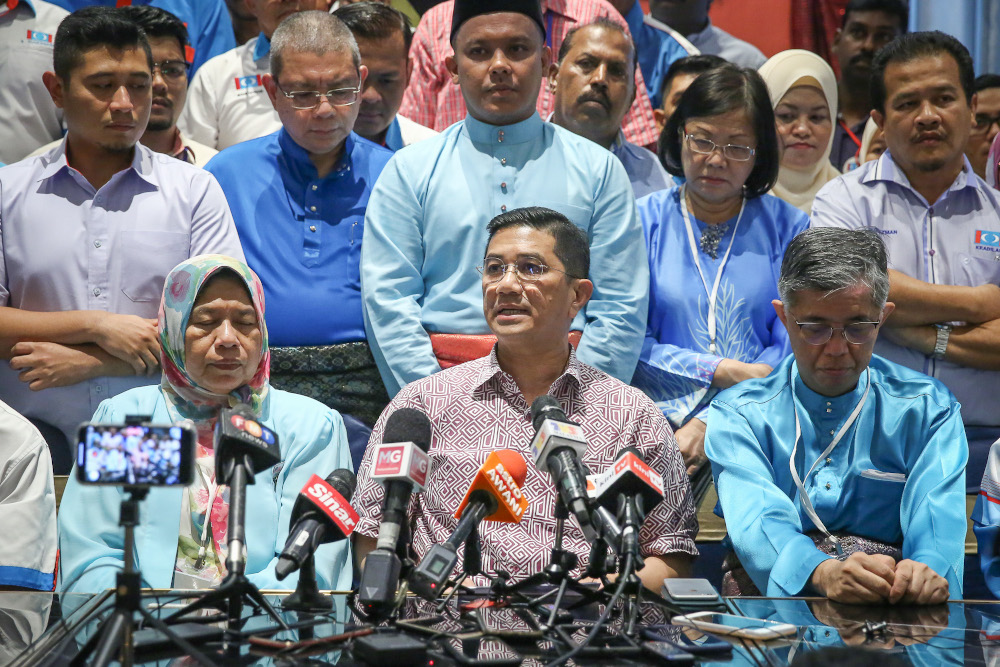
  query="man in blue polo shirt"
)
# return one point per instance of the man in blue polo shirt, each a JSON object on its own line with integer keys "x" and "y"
{"x": 207, "y": 22}
{"x": 299, "y": 198}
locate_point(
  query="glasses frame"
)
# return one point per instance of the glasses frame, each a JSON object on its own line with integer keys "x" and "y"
{"x": 690, "y": 139}
{"x": 842, "y": 330}
{"x": 321, "y": 96}
{"x": 994, "y": 120}
{"x": 159, "y": 66}
{"x": 507, "y": 266}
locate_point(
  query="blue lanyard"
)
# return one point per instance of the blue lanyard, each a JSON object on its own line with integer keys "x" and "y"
{"x": 548, "y": 28}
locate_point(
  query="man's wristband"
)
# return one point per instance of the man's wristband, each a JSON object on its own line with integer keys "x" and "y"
{"x": 941, "y": 344}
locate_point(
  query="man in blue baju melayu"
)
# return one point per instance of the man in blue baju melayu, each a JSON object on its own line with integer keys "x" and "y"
{"x": 837, "y": 452}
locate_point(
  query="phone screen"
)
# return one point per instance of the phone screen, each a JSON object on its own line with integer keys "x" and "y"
{"x": 135, "y": 455}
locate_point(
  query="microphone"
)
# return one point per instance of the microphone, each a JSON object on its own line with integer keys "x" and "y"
{"x": 243, "y": 448}
{"x": 322, "y": 513}
{"x": 494, "y": 495}
{"x": 629, "y": 488}
{"x": 557, "y": 447}
{"x": 401, "y": 464}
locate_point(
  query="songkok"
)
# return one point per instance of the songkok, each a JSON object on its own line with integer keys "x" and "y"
{"x": 467, "y": 9}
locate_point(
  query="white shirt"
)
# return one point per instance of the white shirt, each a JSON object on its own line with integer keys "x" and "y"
{"x": 65, "y": 246}
{"x": 955, "y": 241}
{"x": 717, "y": 42}
{"x": 30, "y": 119}
{"x": 226, "y": 101}
{"x": 27, "y": 505}
{"x": 200, "y": 153}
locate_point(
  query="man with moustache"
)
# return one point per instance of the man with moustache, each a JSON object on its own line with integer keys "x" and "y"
{"x": 426, "y": 221}
{"x": 383, "y": 36}
{"x": 299, "y": 198}
{"x": 434, "y": 100}
{"x": 940, "y": 222}
{"x": 593, "y": 84}
{"x": 868, "y": 26}
{"x": 227, "y": 102}
{"x": 91, "y": 229}
{"x": 168, "y": 39}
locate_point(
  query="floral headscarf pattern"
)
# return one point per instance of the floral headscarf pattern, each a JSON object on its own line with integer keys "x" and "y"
{"x": 185, "y": 398}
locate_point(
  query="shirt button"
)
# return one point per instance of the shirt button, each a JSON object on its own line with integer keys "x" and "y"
{"x": 312, "y": 208}
{"x": 98, "y": 389}
{"x": 832, "y": 431}
{"x": 504, "y": 185}
{"x": 312, "y": 228}
{"x": 828, "y": 486}
{"x": 500, "y": 136}
{"x": 932, "y": 252}
{"x": 315, "y": 187}
{"x": 503, "y": 161}
{"x": 97, "y": 291}
{"x": 503, "y": 208}
{"x": 829, "y": 460}
{"x": 97, "y": 244}
{"x": 829, "y": 409}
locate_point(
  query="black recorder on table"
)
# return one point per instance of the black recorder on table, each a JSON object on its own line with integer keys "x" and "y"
{"x": 135, "y": 453}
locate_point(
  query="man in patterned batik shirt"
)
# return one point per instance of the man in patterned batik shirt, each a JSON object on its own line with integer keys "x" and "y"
{"x": 531, "y": 292}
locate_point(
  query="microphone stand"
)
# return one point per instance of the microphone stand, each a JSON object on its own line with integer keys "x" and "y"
{"x": 631, "y": 523}
{"x": 113, "y": 640}
{"x": 556, "y": 572}
{"x": 235, "y": 588}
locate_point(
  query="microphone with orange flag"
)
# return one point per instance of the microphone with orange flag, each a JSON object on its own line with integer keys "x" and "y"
{"x": 494, "y": 495}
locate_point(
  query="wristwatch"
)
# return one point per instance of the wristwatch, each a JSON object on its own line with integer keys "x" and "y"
{"x": 941, "y": 344}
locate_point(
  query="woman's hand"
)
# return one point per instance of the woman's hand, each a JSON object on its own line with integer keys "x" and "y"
{"x": 730, "y": 372}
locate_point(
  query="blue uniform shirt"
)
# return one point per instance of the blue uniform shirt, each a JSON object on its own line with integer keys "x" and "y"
{"x": 210, "y": 29}
{"x": 896, "y": 476}
{"x": 302, "y": 234}
{"x": 657, "y": 46}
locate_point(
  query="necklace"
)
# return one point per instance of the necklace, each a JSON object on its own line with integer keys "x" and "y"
{"x": 710, "y": 237}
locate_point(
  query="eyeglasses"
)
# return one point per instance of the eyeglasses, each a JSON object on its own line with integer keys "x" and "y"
{"x": 525, "y": 270}
{"x": 730, "y": 151}
{"x": 171, "y": 69}
{"x": 984, "y": 122}
{"x": 309, "y": 99}
{"x": 856, "y": 333}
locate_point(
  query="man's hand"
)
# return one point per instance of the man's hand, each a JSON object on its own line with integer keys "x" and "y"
{"x": 730, "y": 372}
{"x": 916, "y": 583}
{"x": 691, "y": 442}
{"x": 132, "y": 339}
{"x": 861, "y": 579}
{"x": 46, "y": 365}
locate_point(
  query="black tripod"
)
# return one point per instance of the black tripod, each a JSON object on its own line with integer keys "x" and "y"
{"x": 472, "y": 564}
{"x": 235, "y": 588}
{"x": 114, "y": 637}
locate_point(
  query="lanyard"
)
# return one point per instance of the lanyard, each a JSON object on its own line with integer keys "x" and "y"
{"x": 714, "y": 292}
{"x": 803, "y": 496}
{"x": 854, "y": 137}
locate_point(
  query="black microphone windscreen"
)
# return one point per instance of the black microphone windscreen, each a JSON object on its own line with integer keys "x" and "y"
{"x": 408, "y": 425}
{"x": 632, "y": 450}
{"x": 344, "y": 482}
{"x": 545, "y": 407}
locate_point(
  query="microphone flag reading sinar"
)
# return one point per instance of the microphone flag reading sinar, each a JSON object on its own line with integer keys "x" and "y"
{"x": 400, "y": 464}
{"x": 494, "y": 495}
{"x": 557, "y": 447}
{"x": 322, "y": 513}
{"x": 629, "y": 475}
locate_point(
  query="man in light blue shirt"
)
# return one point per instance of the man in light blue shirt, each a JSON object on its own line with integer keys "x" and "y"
{"x": 425, "y": 228}
{"x": 836, "y": 444}
{"x": 941, "y": 224}
{"x": 593, "y": 82}
{"x": 91, "y": 229}
{"x": 298, "y": 197}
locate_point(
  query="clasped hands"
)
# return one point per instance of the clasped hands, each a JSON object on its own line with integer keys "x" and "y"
{"x": 876, "y": 579}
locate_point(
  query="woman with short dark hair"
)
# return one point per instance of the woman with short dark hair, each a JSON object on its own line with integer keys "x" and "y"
{"x": 715, "y": 247}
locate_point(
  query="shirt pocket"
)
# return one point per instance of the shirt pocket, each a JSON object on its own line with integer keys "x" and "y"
{"x": 877, "y": 498}
{"x": 149, "y": 257}
{"x": 976, "y": 270}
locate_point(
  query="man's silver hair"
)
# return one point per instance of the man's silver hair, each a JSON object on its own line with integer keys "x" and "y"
{"x": 829, "y": 260}
{"x": 314, "y": 32}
